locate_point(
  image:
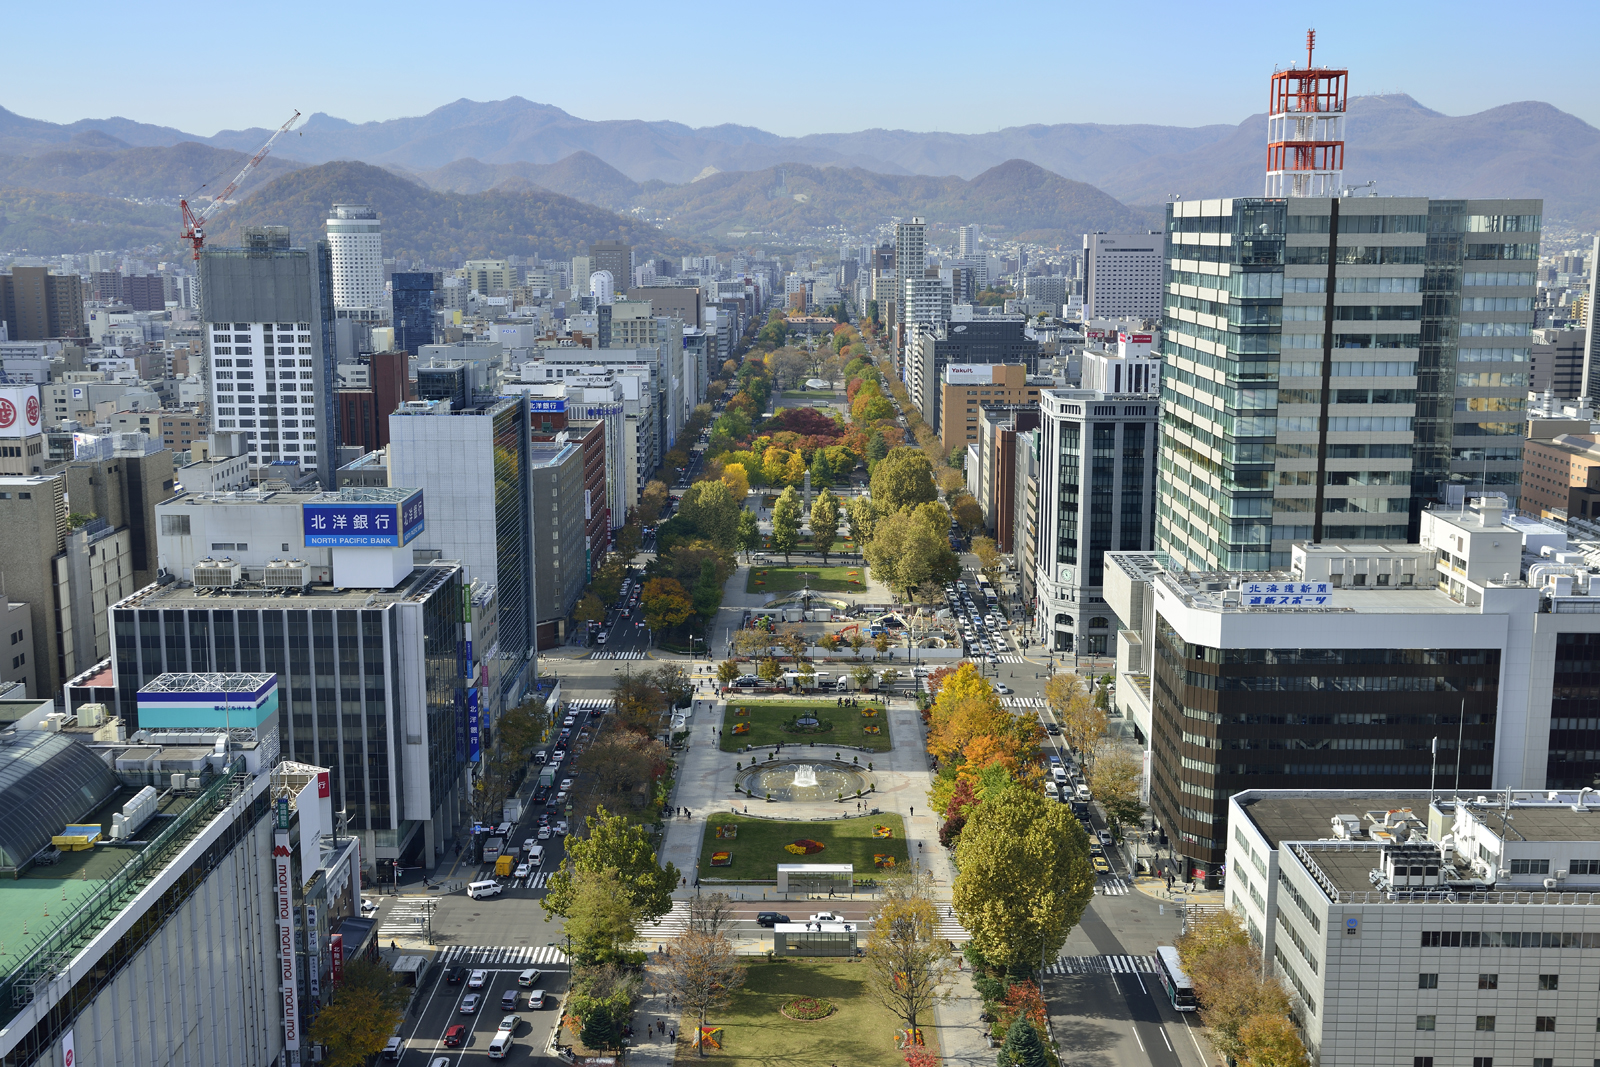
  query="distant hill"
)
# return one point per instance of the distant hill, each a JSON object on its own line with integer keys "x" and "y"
{"x": 422, "y": 223}
{"x": 1518, "y": 150}
{"x": 1016, "y": 199}
{"x": 110, "y": 168}
{"x": 54, "y": 223}
{"x": 24, "y": 136}
{"x": 582, "y": 176}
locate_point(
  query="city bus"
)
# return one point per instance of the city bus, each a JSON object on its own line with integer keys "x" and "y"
{"x": 1179, "y": 989}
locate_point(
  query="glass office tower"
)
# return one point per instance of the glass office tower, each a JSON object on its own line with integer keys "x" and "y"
{"x": 1334, "y": 364}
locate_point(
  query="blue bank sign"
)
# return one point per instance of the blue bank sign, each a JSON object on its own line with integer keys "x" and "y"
{"x": 363, "y": 524}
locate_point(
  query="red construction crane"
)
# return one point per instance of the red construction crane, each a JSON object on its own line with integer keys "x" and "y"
{"x": 194, "y": 224}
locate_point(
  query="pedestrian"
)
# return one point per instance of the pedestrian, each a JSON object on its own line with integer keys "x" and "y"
{"x": 393, "y": 946}
{"x": 913, "y": 811}
{"x": 747, "y": 809}
{"x": 674, "y": 1034}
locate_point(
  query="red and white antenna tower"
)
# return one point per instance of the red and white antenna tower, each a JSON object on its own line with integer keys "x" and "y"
{"x": 1305, "y": 129}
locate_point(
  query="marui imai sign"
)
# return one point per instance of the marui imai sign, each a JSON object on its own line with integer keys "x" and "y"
{"x": 283, "y": 884}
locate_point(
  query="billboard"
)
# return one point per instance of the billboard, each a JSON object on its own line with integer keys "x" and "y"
{"x": 558, "y": 404}
{"x": 969, "y": 374}
{"x": 474, "y": 747}
{"x": 363, "y": 523}
{"x": 288, "y": 979}
{"x": 1286, "y": 594}
{"x": 20, "y": 414}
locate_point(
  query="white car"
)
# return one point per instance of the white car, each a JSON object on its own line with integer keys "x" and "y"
{"x": 570, "y": 720}
{"x": 558, "y": 755}
{"x": 602, "y": 637}
{"x": 477, "y": 979}
{"x": 561, "y": 797}
{"x": 368, "y": 906}
{"x": 825, "y": 917}
{"x": 527, "y": 846}
{"x": 544, "y": 833}
{"x": 523, "y": 870}
{"x": 1002, "y": 688}
{"x": 561, "y": 828}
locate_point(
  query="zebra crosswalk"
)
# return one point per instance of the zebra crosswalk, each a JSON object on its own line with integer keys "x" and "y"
{"x": 536, "y": 880}
{"x": 1008, "y": 658}
{"x": 509, "y": 955}
{"x": 1102, "y": 965}
{"x": 1023, "y": 702}
{"x": 628, "y": 653}
{"x": 669, "y": 925}
{"x": 1111, "y": 887}
{"x": 595, "y": 704}
{"x": 406, "y": 918}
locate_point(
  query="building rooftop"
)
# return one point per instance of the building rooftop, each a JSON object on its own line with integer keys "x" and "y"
{"x": 1286, "y": 815}
{"x": 1542, "y": 822}
{"x": 416, "y": 586}
{"x": 1215, "y": 591}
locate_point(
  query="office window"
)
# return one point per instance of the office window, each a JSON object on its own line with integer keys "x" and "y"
{"x": 1483, "y": 1061}
{"x": 1486, "y": 1023}
{"x": 1427, "y": 981}
{"x": 1544, "y": 1024}
{"x": 1425, "y": 1022}
{"x": 1422, "y": 1061}
{"x": 1488, "y": 981}
{"x": 1549, "y": 981}
{"x": 1544, "y": 1061}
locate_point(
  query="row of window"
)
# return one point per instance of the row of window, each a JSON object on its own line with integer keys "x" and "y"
{"x": 1542, "y": 1024}
{"x": 1508, "y": 938}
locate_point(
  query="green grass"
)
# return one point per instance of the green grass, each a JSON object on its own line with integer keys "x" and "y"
{"x": 812, "y": 394}
{"x": 758, "y": 848}
{"x": 767, "y": 717}
{"x": 860, "y": 1033}
{"x": 776, "y": 578}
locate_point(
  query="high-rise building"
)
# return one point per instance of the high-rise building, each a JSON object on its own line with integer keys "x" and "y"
{"x": 355, "y": 242}
{"x": 973, "y": 341}
{"x": 474, "y": 465}
{"x": 1122, "y": 275}
{"x": 557, "y": 483}
{"x": 1555, "y": 364}
{"x": 364, "y": 411}
{"x": 966, "y": 387}
{"x": 488, "y": 276}
{"x": 268, "y": 314}
{"x": 910, "y": 259}
{"x": 36, "y": 305}
{"x": 1332, "y": 364}
{"x": 413, "y": 313}
{"x": 1097, "y": 477}
{"x": 1591, "y": 336}
{"x": 614, "y": 256}
{"x": 967, "y": 239}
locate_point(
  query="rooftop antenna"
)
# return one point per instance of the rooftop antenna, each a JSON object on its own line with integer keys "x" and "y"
{"x": 1305, "y": 129}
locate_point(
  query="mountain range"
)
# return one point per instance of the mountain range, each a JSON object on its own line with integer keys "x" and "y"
{"x": 1043, "y": 182}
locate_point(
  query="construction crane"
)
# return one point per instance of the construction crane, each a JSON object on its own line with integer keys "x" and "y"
{"x": 194, "y": 225}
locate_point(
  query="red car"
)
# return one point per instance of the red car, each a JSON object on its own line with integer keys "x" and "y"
{"x": 456, "y": 1036}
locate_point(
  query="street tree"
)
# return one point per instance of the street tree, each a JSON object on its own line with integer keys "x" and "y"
{"x": 601, "y": 999}
{"x": 727, "y": 671}
{"x": 615, "y": 843}
{"x": 1114, "y": 777}
{"x": 666, "y": 603}
{"x": 1022, "y": 1047}
{"x": 651, "y": 501}
{"x": 966, "y": 512}
{"x": 639, "y": 701}
{"x": 713, "y": 511}
{"x": 909, "y": 968}
{"x": 769, "y": 669}
{"x": 1082, "y": 724}
{"x": 1024, "y": 877}
{"x": 601, "y": 919}
{"x": 703, "y": 972}
{"x": 988, "y": 553}
{"x": 748, "y": 533}
{"x": 904, "y": 478}
{"x": 711, "y": 913}
{"x": 880, "y": 644}
{"x": 590, "y": 609}
{"x": 737, "y": 479}
{"x": 864, "y": 515}
{"x": 621, "y": 760}
{"x": 366, "y": 1008}
{"x": 786, "y": 523}
{"x": 824, "y": 521}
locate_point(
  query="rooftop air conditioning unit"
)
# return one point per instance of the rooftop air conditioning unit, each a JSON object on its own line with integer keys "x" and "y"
{"x": 217, "y": 573}
{"x": 1549, "y": 883}
{"x": 287, "y": 574}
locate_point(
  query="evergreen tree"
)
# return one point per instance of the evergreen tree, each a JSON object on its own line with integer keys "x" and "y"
{"x": 1022, "y": 1047}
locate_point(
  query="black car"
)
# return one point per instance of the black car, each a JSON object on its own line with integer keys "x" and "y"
{"x": 1052, "y": 728}
{"x": 455, "y": 975}
{"x": 770, "y": 919}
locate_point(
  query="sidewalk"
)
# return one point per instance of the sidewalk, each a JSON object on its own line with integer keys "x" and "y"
{"x": 960, "y": 1026}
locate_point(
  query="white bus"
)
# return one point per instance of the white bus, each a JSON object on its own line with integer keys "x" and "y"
{"x": 1179, "y": 989}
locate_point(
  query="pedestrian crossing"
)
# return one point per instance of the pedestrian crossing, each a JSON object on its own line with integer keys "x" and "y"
{"x": 594, "y": 704}
{"x": 1024, "y": 702}
{"x": 505, "y": 955}
{"x": 629, "y": 653}
{"x": 535, "y": 881}
{"x": 1102, "y": 965}
{"x": 406, "y": 918}
{"x": 669, "y": 925}
{"x": 1008, "y": 658}
{"x": 1112, "y": 887}
{"x": 951, "y": 930}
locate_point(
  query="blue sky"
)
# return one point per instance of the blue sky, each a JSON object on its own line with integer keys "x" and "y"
{"x": 788, "y": 68}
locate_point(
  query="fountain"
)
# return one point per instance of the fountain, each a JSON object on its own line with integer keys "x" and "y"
{"x": 809, "y": 780}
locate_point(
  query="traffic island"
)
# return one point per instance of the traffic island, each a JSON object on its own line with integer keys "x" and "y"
{"x": 819, "y": 727}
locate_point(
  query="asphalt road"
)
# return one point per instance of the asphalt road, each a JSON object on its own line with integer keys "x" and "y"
{"x": 440, "y": 1008}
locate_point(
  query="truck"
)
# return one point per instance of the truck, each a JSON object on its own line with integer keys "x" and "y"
{"x": 503, "y": 865}
{"x": 492, "y": 849}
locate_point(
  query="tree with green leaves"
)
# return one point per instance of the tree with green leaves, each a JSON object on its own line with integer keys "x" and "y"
{"x": 748, "y": 532}
{"x": 786, "y": 523}
{"x": 864, "y": 514}
{"x": 1115, "y": 776}
{"x": 903, "y": 479}
{"x": 727, "y": 671}
{"x": 824, "y": 521}
{"x": 1022, "y": 1047}
{"x": 602, "y": 1000}
{"x": 707, "y": 591}
{"x": 769, "y": 669}
{"x": 821, "y": 470}
{"x": 877, "y": 448}
{"x": 710, "y": 508}
{"x": 366, "y": 1008}
{"x": 601, "y": 919}
{"x": 1024, "y": 877}
{"x": 589, "y": 609}
{"x": 613, "y": 843}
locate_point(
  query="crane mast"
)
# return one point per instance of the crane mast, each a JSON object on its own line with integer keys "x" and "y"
{"x": 194, "y": 223}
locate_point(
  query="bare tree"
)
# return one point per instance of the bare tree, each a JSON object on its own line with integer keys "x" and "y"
{"x": 703, "y": 972}
{"x": 709, "y": 913}
{"x": 908, "y": 967}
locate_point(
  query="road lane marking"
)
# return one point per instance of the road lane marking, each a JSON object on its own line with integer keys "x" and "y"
{"x": 1135, "y": 1030}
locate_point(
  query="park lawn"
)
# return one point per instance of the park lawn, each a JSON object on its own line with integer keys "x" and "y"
{"x": 755, "y": 1034}
{"x": 758, "y": 846}
{"x": 767, "y": 717}
{"x": 780, "y": 579}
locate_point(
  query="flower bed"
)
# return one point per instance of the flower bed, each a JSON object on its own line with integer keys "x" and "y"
{"x": 807, "y": 1009}
{"x": 867, "y": 713}
{"x": 879, "y": 859}
{"x": 742, "y": 728}
{"x": 872, "y": 728}
{"x": 728, "y": 833}
{"x": 881, "y": 831}
{"x": 722, "y": 859}
{"x": 804, "y": 847}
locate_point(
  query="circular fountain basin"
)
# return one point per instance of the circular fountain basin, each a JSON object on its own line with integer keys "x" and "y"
{"x": 803, "y": 779}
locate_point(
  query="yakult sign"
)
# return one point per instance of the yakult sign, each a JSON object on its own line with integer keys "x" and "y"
{"x": 20, "y": 415}
{"x": 283, "y": 885}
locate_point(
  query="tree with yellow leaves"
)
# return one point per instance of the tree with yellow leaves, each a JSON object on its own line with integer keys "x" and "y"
{"x": 737, "y": 479}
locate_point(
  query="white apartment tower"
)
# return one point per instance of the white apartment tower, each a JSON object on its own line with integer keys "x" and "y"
{"x": 966, "y": 241}
{"x": 356, "y": 241}
{"x": 1122, "y": 275}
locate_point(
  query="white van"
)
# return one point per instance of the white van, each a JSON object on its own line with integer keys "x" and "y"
{"x": 536, "y": 855}
{"x": 479, "y": 890}
{"x": 1083, "y": 792}
{"x": 500, "y": 1046}
{"x": 1051, "y": 791}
